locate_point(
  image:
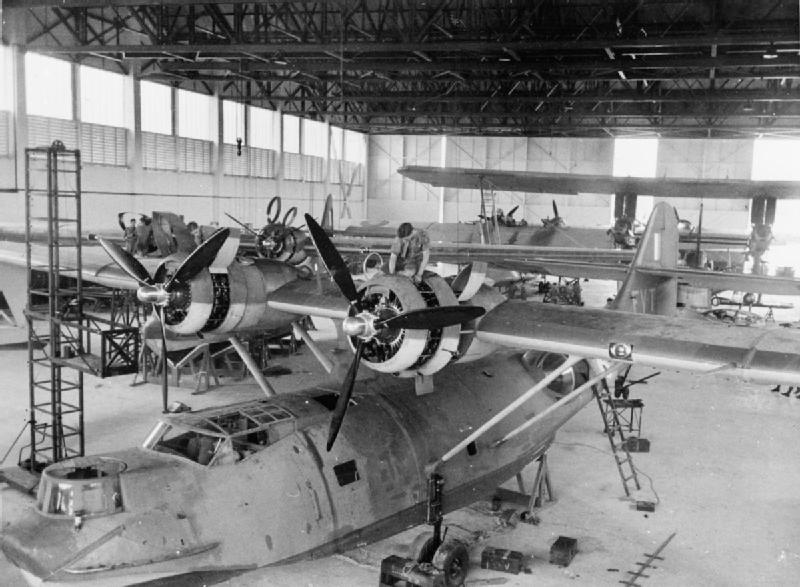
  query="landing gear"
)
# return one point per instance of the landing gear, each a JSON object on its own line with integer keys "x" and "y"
{"x": 433, "y": 518}
{"x": 451, "y": 557}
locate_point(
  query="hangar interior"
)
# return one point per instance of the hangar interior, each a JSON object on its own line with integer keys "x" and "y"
{"x": 208, "y": 110}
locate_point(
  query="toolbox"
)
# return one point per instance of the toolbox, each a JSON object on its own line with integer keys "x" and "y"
{"x": 500, "y": 559}
{"x": 563, "y": 551}
{"x": 634, "y": 444}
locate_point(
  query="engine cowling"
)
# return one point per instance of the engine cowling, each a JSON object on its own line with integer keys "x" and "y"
{"x": 542, "y": 364}
{"x": 235, "y": 299}
{"x": 407, "y": 352}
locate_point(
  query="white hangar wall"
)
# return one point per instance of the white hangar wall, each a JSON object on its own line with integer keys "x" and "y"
{"x": 127, "y": 169}
{"x": 185, "y": 176}
{"x": 393, "y": 197}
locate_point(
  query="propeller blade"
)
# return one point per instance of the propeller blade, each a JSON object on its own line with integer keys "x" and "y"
{"x": 242, "y": 224}
{"x": 164, "y": 374}
{"x": 514, "y": 209}
{"x": 272, "y": 218}
{"x": 200, "y": 258}
{"x": 161, "y": 273}
{"x": 333, "y": 260}
{"x": 555, "y": 210}
{"x": 344, "y": 397}
{"x": 127, "y": 262}
{"x": 432, "y": 318}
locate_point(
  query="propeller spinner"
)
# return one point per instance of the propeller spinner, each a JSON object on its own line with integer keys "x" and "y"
{"x": 365, "y": 325}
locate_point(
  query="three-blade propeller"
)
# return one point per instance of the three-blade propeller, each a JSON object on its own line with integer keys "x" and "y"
{"x": 421, "y": 319}
{"x": 158, "y": 290}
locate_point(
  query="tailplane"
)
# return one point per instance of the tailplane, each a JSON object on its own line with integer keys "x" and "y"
{"x": 650, "y": 293}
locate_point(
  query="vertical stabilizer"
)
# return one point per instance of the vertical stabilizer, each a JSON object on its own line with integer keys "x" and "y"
{"x": 327, "y": 215}
{"x": 658, "y": 249}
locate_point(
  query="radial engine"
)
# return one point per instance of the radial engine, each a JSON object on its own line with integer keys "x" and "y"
{"x": 410, "y": 352}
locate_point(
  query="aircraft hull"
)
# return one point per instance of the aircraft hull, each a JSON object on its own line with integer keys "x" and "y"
{"x": 293, "y": 500}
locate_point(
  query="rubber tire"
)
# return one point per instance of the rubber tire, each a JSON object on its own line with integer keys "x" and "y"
{"x": 452, "y": 557}
{"x": 424, "y": 552}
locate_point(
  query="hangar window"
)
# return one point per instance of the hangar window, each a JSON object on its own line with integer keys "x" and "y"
{"x": 232, "y": 121}
{"x": 291, "y": 134}
{"x": 337, "y": 144}
{"x": 102, "y": 96}
{"x": 6, "y": 79}
{"x": 637, "y": 158}
{"x": 355, "y": 147}
{"x": 156, "y": 110}
{"x": 315, "y": 138}
{"x": 195, "y": 114}
{"x": 264, "y": 128}
{"x": 48, "y": 86}
{"x": 776, "y": 159}
{"x": 346, "y": 473}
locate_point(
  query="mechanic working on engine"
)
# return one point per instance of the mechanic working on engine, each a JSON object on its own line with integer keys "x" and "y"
{"x": 410, "y": 251}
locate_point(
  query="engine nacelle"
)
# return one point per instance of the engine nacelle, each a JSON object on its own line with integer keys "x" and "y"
{"x": 407, "y": 352}
{"x": 542, "y": 364}
{"x": 222, "y": 302}
{"x": 282, "y": 243}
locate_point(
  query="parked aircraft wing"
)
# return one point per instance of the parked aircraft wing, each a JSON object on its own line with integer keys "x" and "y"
{"x": 310, "y": 297}
{"x": 567, "y": 268}
{"x": 734, "y": 281}
{"x": 97, "y": 267}
{"x": 762, "y": 355}
{"x": 573, "y": 183}
{"x": 498, "y": 255}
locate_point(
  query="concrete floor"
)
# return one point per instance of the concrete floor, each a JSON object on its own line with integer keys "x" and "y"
{"x": 722, "y": 468}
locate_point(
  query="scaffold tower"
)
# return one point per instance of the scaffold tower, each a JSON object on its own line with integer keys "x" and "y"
{"x": 54, "y": 310}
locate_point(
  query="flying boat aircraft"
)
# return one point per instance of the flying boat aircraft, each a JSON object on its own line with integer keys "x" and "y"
{"x": 459, "y": 403}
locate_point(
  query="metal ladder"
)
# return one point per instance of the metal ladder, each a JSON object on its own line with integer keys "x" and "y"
{"x": 54, "y": 311}
{"x": 616, "y": 437}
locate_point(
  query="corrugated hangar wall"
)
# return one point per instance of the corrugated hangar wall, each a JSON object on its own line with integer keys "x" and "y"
{"x": 392, "y": 197}
{"x": 188, "y": 177}
{"x": 206, "y": 196}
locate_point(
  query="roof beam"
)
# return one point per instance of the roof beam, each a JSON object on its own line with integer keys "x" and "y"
{"x": 787, "y": 41}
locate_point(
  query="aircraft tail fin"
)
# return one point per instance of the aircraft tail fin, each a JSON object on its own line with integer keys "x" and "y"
{"x": 641, "y": 291}
{"x": 327, "y": 215}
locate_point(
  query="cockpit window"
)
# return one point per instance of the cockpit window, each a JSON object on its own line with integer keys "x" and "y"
{"x": 217, "y": 437}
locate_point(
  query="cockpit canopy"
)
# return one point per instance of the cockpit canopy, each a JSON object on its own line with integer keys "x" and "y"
{"x": 219, "y": 436}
